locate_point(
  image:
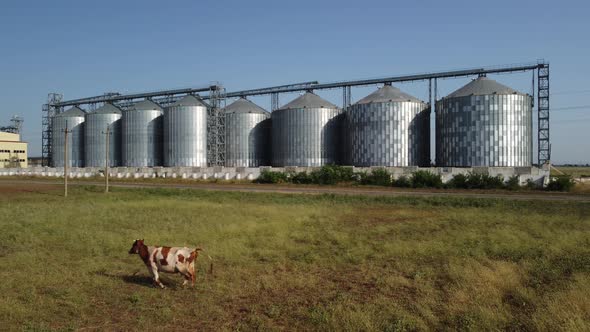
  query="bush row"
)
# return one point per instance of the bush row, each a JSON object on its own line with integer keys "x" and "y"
{"x": 333, "y": 174}
{"x": 330, "y": 174}
{"x": 561, "y": 183}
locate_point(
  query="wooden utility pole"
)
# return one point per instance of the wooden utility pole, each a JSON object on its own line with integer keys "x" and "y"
{"x": 66, "y": 132}
{"x": 106, "y": 160}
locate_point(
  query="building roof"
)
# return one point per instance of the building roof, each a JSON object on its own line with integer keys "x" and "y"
{"x": 145, "y": 105}
{"x": 308, "y": 100}
{"x": 9, "y": 137}
{"x": 72, "y": 113}
{"x": 107, "y": 109}
{"x": 189, "y": 100}
{"x": 483, "y": 86}
{"x": 386, "y": 94}
{"x": 244, "y": 105}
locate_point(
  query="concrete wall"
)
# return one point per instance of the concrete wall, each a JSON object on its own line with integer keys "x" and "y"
{"x": 203, "y": 173}
{"x": 538, "y": 175}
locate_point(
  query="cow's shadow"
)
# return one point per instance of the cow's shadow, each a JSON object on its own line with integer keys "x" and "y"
{"x": 141, "y": 280}
{"x": 137, "y": 279}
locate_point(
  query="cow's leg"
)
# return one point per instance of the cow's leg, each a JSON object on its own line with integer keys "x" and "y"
{"x": 157, "y": 277}
{"x": 151, "y": 272}
{"x": 191, "y": 271}
{"x": 182, "y": 269}
{"x": 187, "y": 277}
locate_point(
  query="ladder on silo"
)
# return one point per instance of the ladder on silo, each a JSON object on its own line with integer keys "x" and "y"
{"x": 544, "y": 145}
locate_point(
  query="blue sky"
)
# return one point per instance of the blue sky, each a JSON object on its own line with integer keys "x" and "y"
{"x": 82, "y": 48}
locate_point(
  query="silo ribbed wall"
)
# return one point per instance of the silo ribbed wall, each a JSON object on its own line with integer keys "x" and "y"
{"x": 247, "y": 139}
{"x": 185, "y": 136}
{"x": 390, "y": 134}
{"x": 306, "y": 137}
{"x": 75, "y": 141}
{"x": 95, "y": 139}
{"x": 142, "y": 138}
{"x": 484, "y": 130}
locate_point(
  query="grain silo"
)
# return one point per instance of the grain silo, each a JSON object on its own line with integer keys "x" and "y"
{"x": 306, "y": 132}
{"x": 95, "y": 136}
{"x": 142, "y": 140}
{"x": 247, "y": 135}
{"x": 484, "y": 123}
{"x": 388, "y": 128}
{"x": 73, "y": 121}
{"x": 185, "y": 133}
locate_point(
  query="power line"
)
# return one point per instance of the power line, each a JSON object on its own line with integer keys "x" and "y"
{"x": 571, "y": 92}
{"x": 565, "y": 108}
{"x": 577, "y": 120}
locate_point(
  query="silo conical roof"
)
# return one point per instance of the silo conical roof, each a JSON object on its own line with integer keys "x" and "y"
{"x": 244, "y": 105}
{"x": 107, "y": 109}
{"x": 189, "y": 100}
{"x": 308, "y": 100}
{"x": 146, "y": 105}
{"x": 72, "y": 112}
{"x": 483, "y": 86}
{"x": 386, "y": 94}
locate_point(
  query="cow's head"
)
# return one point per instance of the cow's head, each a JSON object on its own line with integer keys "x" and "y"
{"x": 135, "y": 247}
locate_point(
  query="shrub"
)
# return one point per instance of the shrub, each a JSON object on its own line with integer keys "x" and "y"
{"x": 561, "y": 183}
{"x": 332, "y": 174}
{"x": 513, "y": 183}
{"x": 377, "y": 177}
{"x": 426, "y": 179}
{"x": 301, "y": 178}
{"x": 345, "y": 174}
{"x": 329, "y": 174}
{"x": 402, "y": 182}
{"x": 492, "y": 182}
{"x": 267, "y": 176}
{"x": 458, "y": 181}
{"x": 359, "y": 177}
{"x": 476, "y": 181}
{"x": 324, "y": 175}
{"x": 362, "y": 177}
{"x": 530, "y": 184}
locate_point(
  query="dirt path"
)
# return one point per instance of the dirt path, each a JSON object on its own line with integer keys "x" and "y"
{"x": 370, "y": 191}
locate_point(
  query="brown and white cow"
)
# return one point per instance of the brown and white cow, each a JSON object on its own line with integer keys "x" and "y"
{"x": 167, "y": 259}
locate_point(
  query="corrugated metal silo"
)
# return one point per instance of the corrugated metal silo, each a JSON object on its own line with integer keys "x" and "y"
{"x": 247, "y": 135}
{"x": 142, "y": 139}
{"x": 73, "y": 121}
{"x": 185, "y": 133}
{"x": 389, "y": 128}
{"x": 95, "y": 137}
{"x": 306, "y": 132}
{"x": 484, "y": 123}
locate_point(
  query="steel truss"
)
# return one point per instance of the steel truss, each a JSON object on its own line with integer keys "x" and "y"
{"x": 15, "y": 127}
{"x": 346, "y": 97}
{"x": 49, "y": 110}
{"x": 216, "y": 128}
{"x": 274, "y": 102}
{"x": 544, "y": 145}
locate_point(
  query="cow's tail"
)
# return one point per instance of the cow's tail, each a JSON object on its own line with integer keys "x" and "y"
{"x": 210, "y": 259}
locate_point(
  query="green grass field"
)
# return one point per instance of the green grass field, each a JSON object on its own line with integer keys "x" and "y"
{"x": 576, "y": 172}
{"x": 293, "y": 262}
